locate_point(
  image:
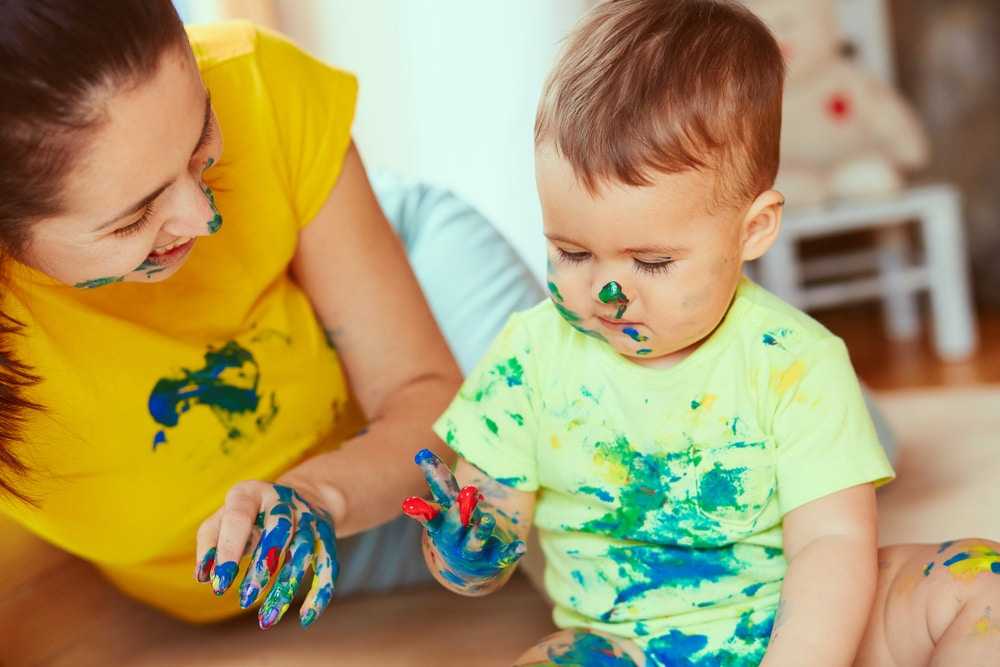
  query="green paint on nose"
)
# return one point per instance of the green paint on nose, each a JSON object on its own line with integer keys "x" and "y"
{"x": 612, "y": 293}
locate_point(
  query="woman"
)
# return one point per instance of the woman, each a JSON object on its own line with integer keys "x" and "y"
{"x": 195, "y": 333}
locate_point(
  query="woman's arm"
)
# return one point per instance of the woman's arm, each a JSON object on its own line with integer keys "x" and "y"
{"x": 352, "y": 266}
{"x": 829, "y": 589}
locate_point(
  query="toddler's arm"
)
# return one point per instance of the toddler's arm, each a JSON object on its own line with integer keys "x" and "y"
{"x": 473, "y": 536}
{"x": 829, "y": 589}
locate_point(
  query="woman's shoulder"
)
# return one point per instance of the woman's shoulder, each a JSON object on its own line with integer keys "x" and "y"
{"x": 217, "y": 43}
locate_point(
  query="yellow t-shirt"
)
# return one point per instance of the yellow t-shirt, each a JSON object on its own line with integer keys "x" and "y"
{"x": 661, "y": 491}
{"x": 159, "y": 397}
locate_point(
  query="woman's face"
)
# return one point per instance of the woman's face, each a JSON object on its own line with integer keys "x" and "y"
{"x": 135, "y": 201}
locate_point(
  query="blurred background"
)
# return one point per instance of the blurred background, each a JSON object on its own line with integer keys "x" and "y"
{"x": 905, "y": 189}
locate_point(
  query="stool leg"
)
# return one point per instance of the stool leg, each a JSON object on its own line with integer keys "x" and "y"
{"x": 902, "y": 317}
{"x": 955, "y": 335}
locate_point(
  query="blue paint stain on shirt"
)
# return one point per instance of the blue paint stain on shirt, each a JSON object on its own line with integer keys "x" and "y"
{"x": 597, "y": 492}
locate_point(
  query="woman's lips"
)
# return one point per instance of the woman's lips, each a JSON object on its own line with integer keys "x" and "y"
{"x": 172, "y": 257}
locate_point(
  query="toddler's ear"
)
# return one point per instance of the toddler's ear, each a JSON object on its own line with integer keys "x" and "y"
{"x": 761, "y": 224}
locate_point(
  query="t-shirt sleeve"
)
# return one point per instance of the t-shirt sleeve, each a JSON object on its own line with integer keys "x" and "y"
{"x": 826, "y": 441}
{"x": 492, "y": 422}
{"x": 313, "y": 106}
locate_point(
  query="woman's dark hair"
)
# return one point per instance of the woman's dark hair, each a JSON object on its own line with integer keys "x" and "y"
{"x": 60, "y": 60}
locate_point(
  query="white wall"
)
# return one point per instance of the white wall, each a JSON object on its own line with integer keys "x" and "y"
{"x": 448, "y": 91}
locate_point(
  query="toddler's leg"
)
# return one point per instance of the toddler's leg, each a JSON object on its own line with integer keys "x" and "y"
{"x": 936, "y": 605}
{"x": 582, "y": 647}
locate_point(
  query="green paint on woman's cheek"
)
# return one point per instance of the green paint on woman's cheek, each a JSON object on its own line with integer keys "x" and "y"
{"x": 99, "y": 282}
{"x": 216, "y": 222}
{"x": 149, "y": 268}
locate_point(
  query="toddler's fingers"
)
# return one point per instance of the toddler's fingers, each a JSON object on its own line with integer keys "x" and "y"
{"x": 300, "y": 555}
{"x": 205, "y": 550}
{"x": 273, "y": 540}
{"x": 422, "y": 511}
{"x": 478, "y": 536}
{"x": 511, "y": 553}
{"x": 325, "y": 571}
{"x": 441, "y": 482}
{"x": 468, "y": 498}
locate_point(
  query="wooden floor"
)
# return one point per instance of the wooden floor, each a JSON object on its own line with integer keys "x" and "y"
{"x": 885, "y": 365}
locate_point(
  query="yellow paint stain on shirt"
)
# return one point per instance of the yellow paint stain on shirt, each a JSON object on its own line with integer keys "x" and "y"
{"x": 611, "y": 471}
{"x": 707, "y": 401}
{"x": 554, "y": 441}
{"x": 788, "y": 378}
{"x": 573, "y": 423}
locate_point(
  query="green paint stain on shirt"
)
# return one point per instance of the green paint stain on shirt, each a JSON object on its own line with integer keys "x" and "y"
{"x": 491, "y": 425}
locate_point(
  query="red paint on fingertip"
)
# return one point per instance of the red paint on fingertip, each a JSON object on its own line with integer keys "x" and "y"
{"x": 419, "y": 508}
{"x": 468, "y": 498}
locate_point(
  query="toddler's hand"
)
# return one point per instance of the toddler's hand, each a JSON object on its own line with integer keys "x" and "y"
{"x": 286, "y": 524}
{"x": 470, "y": 551}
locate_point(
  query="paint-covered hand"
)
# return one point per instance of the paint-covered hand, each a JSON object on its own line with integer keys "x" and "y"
{"x": 274, "y": 521}
{"x": 468, "y": 549}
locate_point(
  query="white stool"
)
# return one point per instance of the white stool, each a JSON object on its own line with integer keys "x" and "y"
{"x": 943, "y": 270}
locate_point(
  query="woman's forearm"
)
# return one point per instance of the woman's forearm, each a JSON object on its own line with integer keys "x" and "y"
{"x": 363, "y": 482}
{"x": 826, "y": 599}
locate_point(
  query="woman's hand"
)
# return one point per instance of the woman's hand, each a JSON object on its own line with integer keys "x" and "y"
{"x": 468, "y": 550}
{"x": 274, "y": 520}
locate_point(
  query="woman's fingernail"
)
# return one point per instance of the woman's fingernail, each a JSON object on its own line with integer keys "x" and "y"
{"x": 223, "y": 576}
{"x": 268, "y": 617}
{"x": 204, "y": 568}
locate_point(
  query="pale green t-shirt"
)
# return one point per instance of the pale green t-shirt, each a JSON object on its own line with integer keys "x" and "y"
{"x": 661, "y": 491}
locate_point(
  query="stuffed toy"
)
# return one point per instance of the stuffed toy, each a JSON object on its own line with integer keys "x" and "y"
{"x": 845, "y": 133}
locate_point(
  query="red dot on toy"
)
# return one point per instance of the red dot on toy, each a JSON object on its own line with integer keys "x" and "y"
{"x": 839, "y": 106}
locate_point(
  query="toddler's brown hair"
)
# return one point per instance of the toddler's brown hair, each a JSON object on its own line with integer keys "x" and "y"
{"x": 647, "y": 86}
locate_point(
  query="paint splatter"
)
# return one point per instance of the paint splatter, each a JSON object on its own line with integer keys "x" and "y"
{"x": 588, "y": 650}
{"x": 150, "y": 268}
{"x": 216, "y": 222}
{"x": 773, "y": 338}
{"x": 973, "y": 561}
{"x": 746, "y": 646}
{"x": 508, "y": 374}
{"x": 99, "y": 282}
{"x": 634, "y": 334}
{"x": 554, "y": 291}
{"x": 648, "y": 510}
{"x": 227, "y": 384}
{"x": 663, "y": 566}
{"x": 598, "y": 493}
{"x": 644, "y": 351}
{"x": 223, "y": 576}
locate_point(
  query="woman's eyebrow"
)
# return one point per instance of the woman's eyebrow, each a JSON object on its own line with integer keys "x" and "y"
{"x": 145, "y": 201}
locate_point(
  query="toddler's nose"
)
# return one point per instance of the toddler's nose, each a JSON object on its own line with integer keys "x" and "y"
{"x": 612, "y": 293}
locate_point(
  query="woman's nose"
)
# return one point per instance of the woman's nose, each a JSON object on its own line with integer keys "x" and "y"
{"x": 196, "y": 213}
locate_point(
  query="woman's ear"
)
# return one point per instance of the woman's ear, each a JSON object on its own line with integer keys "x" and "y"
{"x": 762, "y": 224}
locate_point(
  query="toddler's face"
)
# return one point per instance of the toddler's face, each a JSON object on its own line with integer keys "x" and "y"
{"x": 677, "y": 263}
